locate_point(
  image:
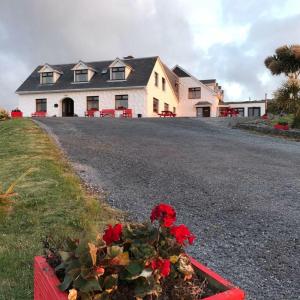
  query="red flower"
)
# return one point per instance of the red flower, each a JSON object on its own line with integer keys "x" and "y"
{"x": 163, "y": 265}
{"x": 112, "y": 234}
{"x": 164, "y": 213}
{"x": 182, "y": 234}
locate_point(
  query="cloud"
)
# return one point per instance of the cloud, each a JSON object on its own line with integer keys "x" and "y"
{"x": 210, "y": 39}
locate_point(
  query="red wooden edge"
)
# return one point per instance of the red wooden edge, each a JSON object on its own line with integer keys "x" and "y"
{"x": 232, "y": 292}
{"x": 46, "y": 282}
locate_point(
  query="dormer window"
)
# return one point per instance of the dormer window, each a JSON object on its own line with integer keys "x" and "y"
{"x": 81, "y": 75}
{"x": 118, "y": 70}
{"x": 118, "y": 73}
{"x": 47, "y": 78}
{"x": 49, "y": 74}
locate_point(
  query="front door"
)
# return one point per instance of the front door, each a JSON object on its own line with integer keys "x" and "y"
{"x": 203, "y": 112}
{"x": 67, "y": 107}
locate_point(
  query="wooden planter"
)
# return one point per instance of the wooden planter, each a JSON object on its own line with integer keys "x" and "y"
{"x": 281, "y": 127}
{"x": 16, "y": 114}
{"x": 46, "y": 282}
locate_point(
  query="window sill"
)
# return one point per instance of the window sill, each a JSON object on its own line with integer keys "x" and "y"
{"x": 79, "y": 82}
{"x": 114, "y": 80}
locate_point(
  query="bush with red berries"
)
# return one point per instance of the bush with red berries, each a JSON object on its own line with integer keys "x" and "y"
{"x": 127, "y": 261}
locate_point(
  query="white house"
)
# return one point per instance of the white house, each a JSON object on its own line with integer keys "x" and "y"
{"x": 145, "y": 85}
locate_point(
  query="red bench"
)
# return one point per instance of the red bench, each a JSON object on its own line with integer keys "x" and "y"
{"x": 90, "y": 113}
{"x": 107, "y": 113}
{"x": 127, "y": 113}
{"x": 39, "y": 114}
{"x": 167, "y": 113}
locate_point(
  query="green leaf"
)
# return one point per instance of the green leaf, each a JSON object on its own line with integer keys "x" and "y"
{"x": 91, "y": 285}
{"x": 114, "y": 251}
{"x": 134, "y": 268}
{"x": 66, "y": 283}
{"x": 61, "y": 266}
{"x": 110, "y": 281}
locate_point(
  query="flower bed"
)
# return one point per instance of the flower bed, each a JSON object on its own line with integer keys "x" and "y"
{"x": 281, "y": 126}
{"x": 16, "y": 114}
{"x": 140, "y": 261}
{"x": 46, "y": 283}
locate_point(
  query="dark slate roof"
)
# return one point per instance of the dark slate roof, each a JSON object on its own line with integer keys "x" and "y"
{"x": 180, "y": 73}
{"x": 139, "y": 76}
{"x": 208, "y": 81}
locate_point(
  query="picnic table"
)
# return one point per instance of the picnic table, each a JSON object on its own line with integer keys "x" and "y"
{"x": 167, "y": 113}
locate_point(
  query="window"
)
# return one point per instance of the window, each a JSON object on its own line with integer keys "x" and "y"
{"x": 156, "y": 78}
{"x": 81, "y": 75}
{"x": 155, "y": 105}
{"x": 163, "y": 83}
{"x": 253, "y": 111}
{"x": 41, "y": 105}
{"x": 166, "y": 106}
{"x": 195, "y": 93}
{"x": 118, "y": 73}
{"x": 47, "y": 78}
{"x": 121, "y": 101}
{"x": 241, "y": 111}
{"x": 92, "y": 103}
{"x": 174, "y": 110}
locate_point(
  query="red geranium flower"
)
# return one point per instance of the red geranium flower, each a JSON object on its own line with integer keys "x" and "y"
{"x": 164, "y": 213}
{"x": 112, "y": 234}
{"x": 182, "y": 234}
{"x": 163, "y": 265}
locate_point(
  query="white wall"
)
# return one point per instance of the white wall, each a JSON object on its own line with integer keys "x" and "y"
{"x": 186, "y": 107}
{"x": 153, "y": 91}
{"x": 247, "y": 105}
{"x": 136, "y": 101}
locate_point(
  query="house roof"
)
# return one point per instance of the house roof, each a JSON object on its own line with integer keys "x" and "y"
{"x": 208, "y": 81}
{"x": 180, "y": 73}
{"x": 142, "y": 69}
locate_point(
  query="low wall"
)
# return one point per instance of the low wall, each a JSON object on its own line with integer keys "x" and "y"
{"x": 294, "y": 134}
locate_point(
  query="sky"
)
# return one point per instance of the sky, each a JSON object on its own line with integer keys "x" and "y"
{"x": 223, "y": 39}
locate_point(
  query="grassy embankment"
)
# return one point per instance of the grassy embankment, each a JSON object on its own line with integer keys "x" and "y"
{"x": 50, "y": 200}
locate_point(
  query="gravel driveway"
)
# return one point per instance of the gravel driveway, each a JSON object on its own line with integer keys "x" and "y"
{"x": 239, "y": 192}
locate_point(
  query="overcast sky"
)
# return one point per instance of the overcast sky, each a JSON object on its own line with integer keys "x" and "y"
{"x": 223, "y": 39}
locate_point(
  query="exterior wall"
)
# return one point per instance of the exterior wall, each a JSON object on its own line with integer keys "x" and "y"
{"x": 262, "y": 106}
{"x": 136, "y": 101}
{"x": 153, "y": 91}
{"x": 186, "y": 107}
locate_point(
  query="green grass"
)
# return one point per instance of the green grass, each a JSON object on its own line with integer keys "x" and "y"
{"x": 50, "y": 200}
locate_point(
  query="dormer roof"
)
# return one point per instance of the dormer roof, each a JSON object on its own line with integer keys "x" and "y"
{"x": 119, "y": 63}
{"x": 83, "y": 66}
{"x": 48, "y": 68}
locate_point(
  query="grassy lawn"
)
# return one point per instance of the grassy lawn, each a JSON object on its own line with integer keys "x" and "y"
{"x": 50, "y": 200}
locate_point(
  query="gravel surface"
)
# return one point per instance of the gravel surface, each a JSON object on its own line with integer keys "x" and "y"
{"x": 239, "y": 192}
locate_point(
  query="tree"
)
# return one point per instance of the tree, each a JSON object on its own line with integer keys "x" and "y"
{"x": 287, "y": 98}
{"x": 286, "y": 60}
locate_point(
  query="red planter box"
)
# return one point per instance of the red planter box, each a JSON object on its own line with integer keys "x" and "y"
{"x": 281, "y": 127}
{"x": 16, "y": 114}
{"x": 46, "y": 282}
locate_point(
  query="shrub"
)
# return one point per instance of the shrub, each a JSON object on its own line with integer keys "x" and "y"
{"x": 296, "y": 122}
{"x": 129, "y": 261}
{"x": 4, "y": 115}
